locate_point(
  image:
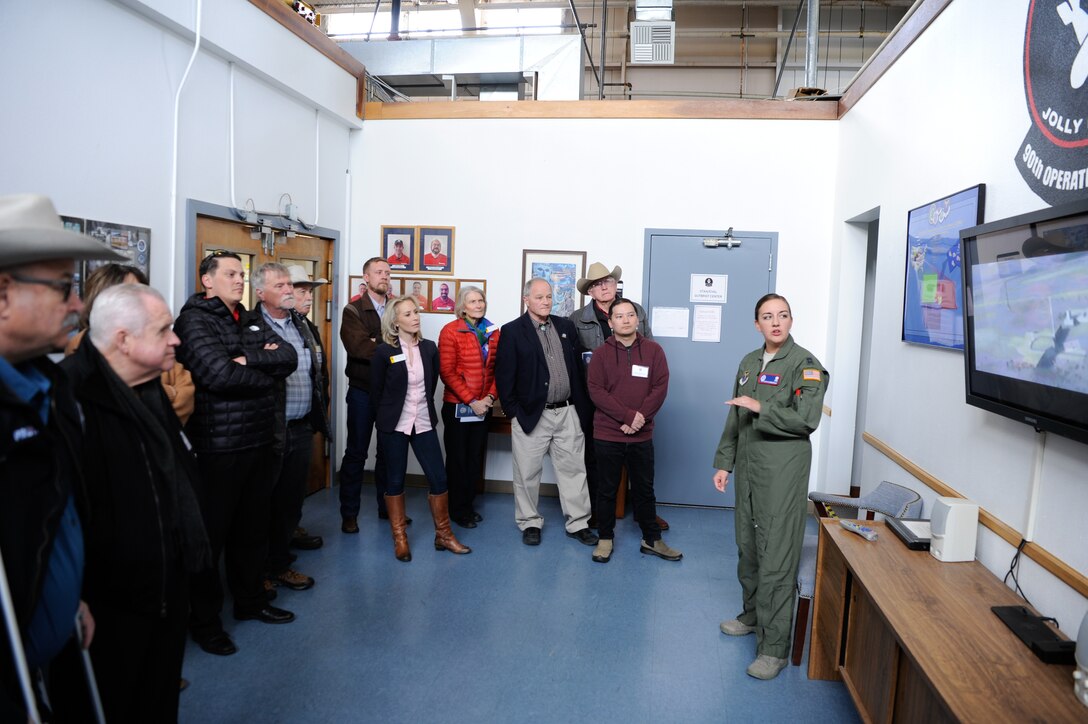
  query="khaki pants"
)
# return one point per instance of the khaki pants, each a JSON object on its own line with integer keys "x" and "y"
{"x": 559, "y": 434}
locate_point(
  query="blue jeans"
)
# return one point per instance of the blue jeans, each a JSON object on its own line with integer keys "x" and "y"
{"x": 428, "y": 453}
{"x": 360, "y": 428}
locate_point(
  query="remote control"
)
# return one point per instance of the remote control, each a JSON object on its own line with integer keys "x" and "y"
{"x": 863, "y": 530}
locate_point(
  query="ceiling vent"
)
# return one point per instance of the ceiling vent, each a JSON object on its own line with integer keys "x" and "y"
{"x": 653, "y": 42}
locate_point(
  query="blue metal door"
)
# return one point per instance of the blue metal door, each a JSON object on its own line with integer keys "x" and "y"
{"x": 688, "y": 427}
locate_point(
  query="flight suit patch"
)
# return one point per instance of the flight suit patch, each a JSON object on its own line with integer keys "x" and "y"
{"x": 811, "y": 375}
{"x": 769, "y": 379}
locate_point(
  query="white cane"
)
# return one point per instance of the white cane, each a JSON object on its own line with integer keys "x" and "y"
{"x": 88, "y": 669}
{"x": 17, "y": 646}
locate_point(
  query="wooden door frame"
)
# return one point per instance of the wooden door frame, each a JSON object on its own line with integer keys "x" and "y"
{"x": 194, "y": 208}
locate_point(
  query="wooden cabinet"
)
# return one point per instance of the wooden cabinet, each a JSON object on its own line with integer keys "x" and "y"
{"x": 914, "y": 639}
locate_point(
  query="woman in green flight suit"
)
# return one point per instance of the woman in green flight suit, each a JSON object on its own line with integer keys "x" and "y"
{"x": 777, "y": 402}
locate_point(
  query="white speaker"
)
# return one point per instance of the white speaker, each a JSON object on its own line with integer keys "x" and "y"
{"x": 954, "y": 529}
{"x": 1080, "y": 676}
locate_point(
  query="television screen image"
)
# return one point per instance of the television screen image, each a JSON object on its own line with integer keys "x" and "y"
{"x": 1032, "y": 324}
{"x": 1026, "y": 342}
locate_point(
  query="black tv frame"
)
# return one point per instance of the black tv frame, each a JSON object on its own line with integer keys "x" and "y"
{"x": 1016, "y": 402}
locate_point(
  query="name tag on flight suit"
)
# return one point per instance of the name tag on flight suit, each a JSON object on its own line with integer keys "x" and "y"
{"x": 640, "y": 371}
{"x": 766, "y": 379}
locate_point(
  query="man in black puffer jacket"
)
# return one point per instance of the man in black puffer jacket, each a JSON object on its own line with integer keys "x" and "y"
{"x": 236, "y": 362}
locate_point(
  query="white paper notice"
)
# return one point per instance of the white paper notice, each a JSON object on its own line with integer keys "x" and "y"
{"x": 669, "y": 321}
{"x": 709, "y": 288}
{"x": 708, "y": 324}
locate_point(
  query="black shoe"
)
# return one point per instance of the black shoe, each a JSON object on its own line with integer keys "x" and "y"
{"x": 476, "y": 517}
{"x": 268, "y": 614}
{"x": 307, "y": 542}
{"x": 531, "y": 536}
{"x": 585, "y": 536}
{"x": 218, "y": 644}
{"x": 350, "y": 524}
{"x": 465, "y": 522}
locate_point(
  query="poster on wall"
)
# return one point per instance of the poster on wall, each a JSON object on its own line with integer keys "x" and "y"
{"x": 1053, "y": 157}
{"x": 562, "y": 269}
{"x": 133, "y": 242}
{"x": 932, "y": 295}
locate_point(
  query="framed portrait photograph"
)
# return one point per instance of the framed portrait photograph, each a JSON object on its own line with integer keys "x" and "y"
{"x": 443, "y": 295}
{"x": 396, "y": 287}
{"x": 435, "y": 250}
{"x": 562, "y": 269}
{"x": 933, "y": 293}
{"x": 398, "y": 247}
{"x": 420, "y": 290}
{"x": 481, "y": 283}
{"x": 356, "y": 288}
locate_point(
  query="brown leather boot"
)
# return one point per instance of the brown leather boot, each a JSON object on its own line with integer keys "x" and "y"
{"x": 443, "y": 536}
{"x": 398, "y": 522}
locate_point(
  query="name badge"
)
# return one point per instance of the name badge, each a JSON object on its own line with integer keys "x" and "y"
{"x": 492, "y": 328}
{"x": 400, "y": 358}
{"x": 640, "y": 371}
{"x": 766, "y": 379}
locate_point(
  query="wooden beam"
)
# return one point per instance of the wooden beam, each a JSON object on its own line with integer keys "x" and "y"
{"x": 1047, "y": 560}
{"x": 746, "y": 109}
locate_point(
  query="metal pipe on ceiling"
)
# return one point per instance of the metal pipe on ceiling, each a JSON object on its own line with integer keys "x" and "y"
{"x": 604, "y": 36}
{"x": 812, "y": 43}
{"x": 786, "y": 55}
{"x": 585, "y": 43}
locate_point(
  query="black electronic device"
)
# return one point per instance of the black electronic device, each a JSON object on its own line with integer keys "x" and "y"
{"x": 914, "y": 532}
{"x": 1026, "y": 318}
{"x": 1043, "y": 640}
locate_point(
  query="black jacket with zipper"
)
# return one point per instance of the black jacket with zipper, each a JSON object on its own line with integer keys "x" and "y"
{"x": 235, "y": 403}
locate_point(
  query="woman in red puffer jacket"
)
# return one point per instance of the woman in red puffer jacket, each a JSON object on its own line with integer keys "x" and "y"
{"x": 466, "y": 359}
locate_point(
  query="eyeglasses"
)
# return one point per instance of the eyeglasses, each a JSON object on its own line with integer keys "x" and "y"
{"x": 64, "y": 286}
{"x": 602, "y": 282}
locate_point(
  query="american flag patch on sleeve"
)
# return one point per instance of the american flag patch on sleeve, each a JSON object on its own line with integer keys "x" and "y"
{"x": 811, "y": 374}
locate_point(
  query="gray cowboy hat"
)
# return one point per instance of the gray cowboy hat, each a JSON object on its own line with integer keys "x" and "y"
{"x": 299, "y": 276}
{"x": 31, "y": 231}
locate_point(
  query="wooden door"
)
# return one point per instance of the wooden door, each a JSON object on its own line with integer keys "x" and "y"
{"x": 312, "y": 253}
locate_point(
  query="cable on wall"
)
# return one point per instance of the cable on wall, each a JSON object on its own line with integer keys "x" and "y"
{"x": 174, "y": 161}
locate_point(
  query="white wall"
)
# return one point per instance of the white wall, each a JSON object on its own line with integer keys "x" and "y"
{"x": 88, "y": 116}
{"x": 596, "y": 185}
{"x": 950, "y": 114}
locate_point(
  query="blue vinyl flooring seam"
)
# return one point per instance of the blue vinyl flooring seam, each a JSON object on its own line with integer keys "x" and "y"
{"x": 508, "y": 633}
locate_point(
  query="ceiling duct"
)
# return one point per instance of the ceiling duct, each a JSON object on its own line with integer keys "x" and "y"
{"x": 653, "y": 33}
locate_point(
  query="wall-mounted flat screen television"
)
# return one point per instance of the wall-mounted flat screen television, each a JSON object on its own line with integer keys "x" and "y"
{"x": 1026, "y": 318}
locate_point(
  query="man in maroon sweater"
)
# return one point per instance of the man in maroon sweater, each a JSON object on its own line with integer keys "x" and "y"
{"x": 628, "y": 380}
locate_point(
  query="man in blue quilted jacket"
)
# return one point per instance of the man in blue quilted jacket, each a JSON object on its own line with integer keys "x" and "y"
{"x": 236, "y": 361}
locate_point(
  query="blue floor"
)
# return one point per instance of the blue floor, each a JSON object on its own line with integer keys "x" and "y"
{"x": 507, "y": 634}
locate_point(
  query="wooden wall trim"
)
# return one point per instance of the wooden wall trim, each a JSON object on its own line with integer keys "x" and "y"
{"x": 911, "y": 27}
{"x": 746, "y": 109}
{"x": 282, "y": 13}
{"x": 1058, "y": 568}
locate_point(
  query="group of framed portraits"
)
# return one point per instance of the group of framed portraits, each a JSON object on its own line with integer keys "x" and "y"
{"x": 418, "y": 249}
{"x": 132, "y": 242}
{"x": 435, "y": 295}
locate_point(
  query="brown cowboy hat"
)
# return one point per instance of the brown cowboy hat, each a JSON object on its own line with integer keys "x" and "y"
{"x": 31, "y": 231}
{"x": 597, "y": 271}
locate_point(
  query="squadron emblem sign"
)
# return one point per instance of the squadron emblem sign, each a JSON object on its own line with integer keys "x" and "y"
{"x": 1053, "y": 158}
